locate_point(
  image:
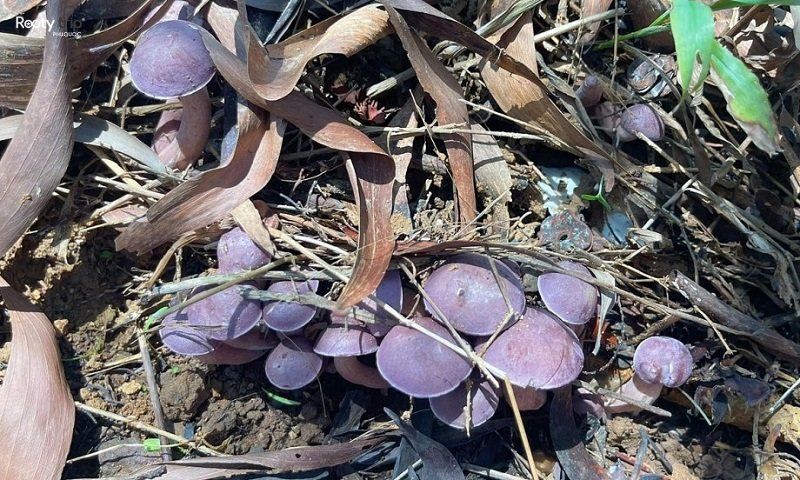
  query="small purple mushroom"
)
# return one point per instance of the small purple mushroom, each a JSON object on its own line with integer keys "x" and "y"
{"x": 345, "y": 338}
{"x": 182, "y": 338}
{"x": 451, "y": 407}
{"x": 292, "y": 364}
{"x": 171, "y": 61}
{"x": 225, "y": 354}
{"x": 640, "y": 118}
{"x": 570, "y": 299}
{"x": 418, "y": 365}
{"x": 225, "y": 315}
{"x": 529, "y": 399}
{"x": 657, "y": 362}
{"x": 289, "y": 316}
{"x": 236, "y": 252}
{"x": 467, "y": 293}
{"x": 352, "y": 370}
{"x": 538, "y": 352}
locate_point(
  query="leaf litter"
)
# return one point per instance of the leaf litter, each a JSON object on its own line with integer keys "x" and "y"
{"x": 445, "y": 157}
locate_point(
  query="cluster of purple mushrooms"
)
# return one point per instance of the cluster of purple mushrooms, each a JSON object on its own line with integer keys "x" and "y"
{"x": 481, "y": 298}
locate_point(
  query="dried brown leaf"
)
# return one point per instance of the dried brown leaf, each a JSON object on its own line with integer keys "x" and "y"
{"x": 12, "y": 8}
{"x": 529, "y": 105}
{"x": 275, "y": 74}
{"x": 589, "y": 8}
{"x": 36, "y": 410}
{"x": 493, "y": 178}
{"x": 446, "y": 92}
{"x": 575, "y": 460}
{"x": 37, "y": 157}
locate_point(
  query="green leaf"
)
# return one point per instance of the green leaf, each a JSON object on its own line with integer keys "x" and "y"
{"x": 280, "y": 400}
{"x": 693, "y": 31}
{"x": 726, "y": 4}
{"x": 748, "y": 103}
{"x": 151, "y": 444}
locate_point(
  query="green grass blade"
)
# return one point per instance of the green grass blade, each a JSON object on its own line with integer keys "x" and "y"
{"x": 726, "y": 4}
{"x": 748, "y": 103}
{"x": 693, "y": 31}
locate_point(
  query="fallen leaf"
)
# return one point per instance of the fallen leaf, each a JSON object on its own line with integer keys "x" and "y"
{"x": 589, "y": 8}
{"x": 572, "y": 455}
{"x": 493, "y": 178}
{"x": 37, "y": 158}
{"x": 440, "y": 84}
{"x": 437, "y": 461}
{"x": 36, "y": 410}
{"x": 277, "y": 73}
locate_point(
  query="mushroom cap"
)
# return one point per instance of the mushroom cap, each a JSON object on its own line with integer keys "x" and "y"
{"x": 289, "y": 316}
{"x": 345, "y": 338}
{"x": 450, "y": 407}
{"x": 227, "y": 355}
{"x": 467, "y": 293}
{"x": 418, "y": 365}
{"x": 182, "y": 338}
{"x": 663, "y": 360}
{"x": 390, "y": 291}
{"x": 529, "y": 399}
{"x": 538, "y": 351}
{"x": 352, "y": 370}
{"x": 225, "y": 315}
{"x": 640, "y": 118}
{"x": 570, "y": 299}
{"x": 237, "y": 252}
{"x": 170, "y": 60}
{"x": 255, "y": 339}
{"x": 292, "y": 364}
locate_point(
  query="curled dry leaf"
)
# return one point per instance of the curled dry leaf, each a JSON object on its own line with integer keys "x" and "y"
{"x": 450, "y": 109}
{"x": 36, "y": 409}
{"x": 37, "y": 158}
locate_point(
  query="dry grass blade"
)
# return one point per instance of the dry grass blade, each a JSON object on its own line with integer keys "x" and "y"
{"x": 446, "y": 92}
{"x": 36, "y": 409}
{"x": 277, "y": 72}
{"x": 37, "y": 158}
{"x": 210, "y": 196}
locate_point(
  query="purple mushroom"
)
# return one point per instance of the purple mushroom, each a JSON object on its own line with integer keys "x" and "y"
{"x": 570, "y": 299}
{"x": 451, "y": 408}
{"x": 640, "y": 118}
{"x": 292, "y": 364}
{"x": 467, "y": 293}
{"x": 225, "y": 354}
{"x": 171, "y": 61}
{"x": 538, "y": 352}
{"x": 657, "y": 362}
{"x": 418, "y": 365}
{"x": 345, "y": 338}
{"x": 529, "y": 399}
{"x": 354, "y": 371}
{"x": 182, "y": 338}
{"x": 237, "y": 252}
{"x": 225, "y": 315}
{"x": 289, "y": 316}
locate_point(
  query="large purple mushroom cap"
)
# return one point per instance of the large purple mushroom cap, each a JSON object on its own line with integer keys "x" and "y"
{"x": 255, "y": 339}
{"x": 225, "y": 315}
{"x": 171, "y": 61}
{"x": 236, "y": 252}
{"x": 182, "y": 338}
{"x": 390, "y": 291}
{"x": 292, "y": 364}
{"x": 228, "y": 355}
{"x": 538, "y": 351}
{"x": 663, "y": 360}
{"x": 418, "y": 365}
{"x": 345, "y": 338}
{"x": 570, "y": 299}
{"x": 450, "y": 408}
{"x": 289, "y": 316}
{"x": 467, "y": 293}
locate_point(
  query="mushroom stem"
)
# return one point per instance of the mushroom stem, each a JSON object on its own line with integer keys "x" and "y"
{"x": 638, "y": 390}
{"x": 193, "y": 130}
{"x": 356, "y": 372}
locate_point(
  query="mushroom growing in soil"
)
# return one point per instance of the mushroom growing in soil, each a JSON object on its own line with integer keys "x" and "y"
{"x": 657, "y": 362}
{"x": 237, "y": 252}
{"x": 289, "y": 316}
{"x": 570, "y": 299}
{"x": 171, "y": 61}
{"x": 640, "y": 118}
{"x": 538, "y": 351}
{"x": 292, "y": 364}
{"x": 418, "y": 365}
{"x": 466, "y": 291}
{"x": 451, "y": 407}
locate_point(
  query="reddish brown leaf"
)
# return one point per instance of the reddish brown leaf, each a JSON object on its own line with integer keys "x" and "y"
{"x": 589, "y": 8}
{"x": 275, "y": 75}
{"x": 36, "y": 409}
{"x": 446, "y": 92}
{"x": 208, "y": 197}
{"x": 37, "y": 157}
{"x": 533, "y": 105}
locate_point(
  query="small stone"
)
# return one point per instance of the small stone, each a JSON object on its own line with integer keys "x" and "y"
{"x": 182, "y": 394}
{"x": 130, "y": 388}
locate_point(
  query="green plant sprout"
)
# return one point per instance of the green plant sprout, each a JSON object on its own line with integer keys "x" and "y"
{"x": 598, "y": 197}
{"x": 280, "y": 400}
{"x": 692, "y": 26}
